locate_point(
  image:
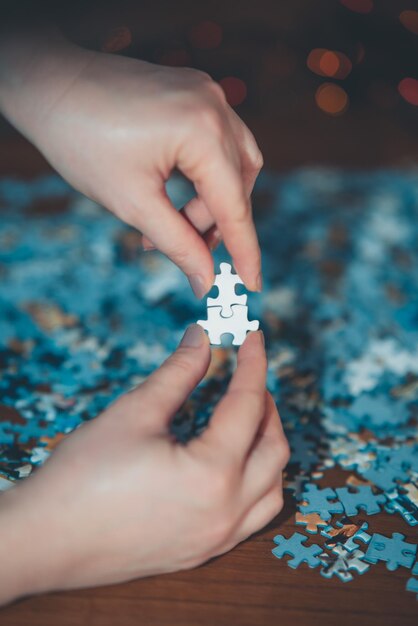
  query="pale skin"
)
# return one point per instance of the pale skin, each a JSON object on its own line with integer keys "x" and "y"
{"x": 119, "y": 499}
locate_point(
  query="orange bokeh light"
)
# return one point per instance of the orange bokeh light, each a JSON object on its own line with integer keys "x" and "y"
{"x": 409, "y": 19}
{"x": 205, "y": 35}
{"x": 359, "y": 6}
{"x": 329, "y": 63}
{"x": 118, "y": 39}
{"x": 235, "y": 90}
{"x": 331, "y": 99}
{"x": 408, "y": 88}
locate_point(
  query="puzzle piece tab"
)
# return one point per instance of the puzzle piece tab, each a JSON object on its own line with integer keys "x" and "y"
{"x": 394, "y": 550}
{"x": 294, "y": 547}
{"x": 226, "y": 282}
{"x": 238, "y": 325}
{"x": 311, "y": 521}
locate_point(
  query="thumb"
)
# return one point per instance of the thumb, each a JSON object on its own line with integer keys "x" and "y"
{"x": 164, "y": 392}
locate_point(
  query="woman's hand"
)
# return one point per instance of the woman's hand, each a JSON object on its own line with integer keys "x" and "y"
{"x": 119, "y": 499}
{"x": 116, "y": 127}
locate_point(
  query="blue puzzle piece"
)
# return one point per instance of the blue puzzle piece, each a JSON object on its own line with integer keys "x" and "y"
{"x": 394, "y": 550}
{"x": 362, "y": 498}
{"x": 385, "y": 477}
{"x": 320, "y": 501}
{"x": 294, "y": 547}
{"x": 399, "y": 503}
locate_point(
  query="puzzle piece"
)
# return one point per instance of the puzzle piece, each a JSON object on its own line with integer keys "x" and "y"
{"x": 341, "y": 562}
{"x": 385, "y": 477}
{"x": 238, "y": 325}
{"x": 320, "y": 501}
{"x": 297, "y": 486}
{"x": 347, "y": 532}
{"x": 303, "y": 451}
{"x": 361, "y": 498}
{"x": 226, "y": 298}
{"x": 399, "y": 503}
{"x": 294, "y": 547}
{"x": 311, "y": 521}
{"x": 412, "y": 583}
{"x": 394, "y": 550}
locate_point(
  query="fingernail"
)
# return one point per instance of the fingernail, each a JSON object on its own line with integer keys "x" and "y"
{"x": 215, "y": 239}
{"x": 259, "y": 282}
{"x": 262, "y": 339}
{"x": 198, "y": 285}
{"x": 147, "y": 247}
{"x": 193, "y": 337}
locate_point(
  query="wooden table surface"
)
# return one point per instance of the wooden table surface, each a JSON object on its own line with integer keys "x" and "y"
{"x": 248, "y": 586}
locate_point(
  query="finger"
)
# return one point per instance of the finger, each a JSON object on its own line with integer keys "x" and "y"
{"x": 266, "y": 509}
{"x": 164, "y": 392}
{"x": 176, "y": 238}
{"x": 259, "y": 515}
{"x": 268, "y": 457}
{"x": 198, "y": 215}
{"x": 216, "y": 174}
{"x": 251, "y": 157}
{"x": 238, "y": 416}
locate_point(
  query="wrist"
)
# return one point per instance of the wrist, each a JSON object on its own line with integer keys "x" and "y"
{"x": 36, "y": 67}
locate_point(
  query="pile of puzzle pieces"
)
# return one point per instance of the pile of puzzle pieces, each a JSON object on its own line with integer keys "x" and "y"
{"x": 85, "y": 315}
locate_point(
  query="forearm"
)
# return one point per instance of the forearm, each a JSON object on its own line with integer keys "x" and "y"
{"x": 37, "y": 66}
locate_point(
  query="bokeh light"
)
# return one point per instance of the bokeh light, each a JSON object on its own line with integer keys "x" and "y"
{"x": 409, "y": 19}
{"x": 329, "y": 63}
{"x": 206, "y": 35}
{"x": 235, "y": 90}
{"x": 118, "y": 39}
{"x": 359, "y": 6}
{"x": 408, "y": 88}
{"x": 331, "y": 99}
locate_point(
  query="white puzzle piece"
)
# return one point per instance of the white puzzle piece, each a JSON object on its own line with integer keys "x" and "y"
{"x": 237, "y": 325}
{"x": 226, "y": 298}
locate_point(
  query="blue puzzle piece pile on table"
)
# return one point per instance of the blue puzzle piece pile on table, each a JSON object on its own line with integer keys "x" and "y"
{"x": 85, "y": 315}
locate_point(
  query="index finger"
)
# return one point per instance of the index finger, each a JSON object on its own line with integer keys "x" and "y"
{"x": 238, "y": 417}
{"x": 218, "y": 180}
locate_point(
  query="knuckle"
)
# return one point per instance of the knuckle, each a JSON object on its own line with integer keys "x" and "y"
{"x": 284, "y": 452}
{"x": 216, "y": 89}
{"x": 210, "y": 121}
{"x": 180, "y": 361}
{"x": 258, "y": 160}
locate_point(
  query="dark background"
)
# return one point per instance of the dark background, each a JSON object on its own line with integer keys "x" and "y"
{"x": 266, "y": 45}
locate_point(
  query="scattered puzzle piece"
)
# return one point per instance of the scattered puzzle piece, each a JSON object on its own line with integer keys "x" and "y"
{"x": 361, "y": 498}
{"x": 341, "y": 562}
{"x": 294, "y": 547}
{"x": 394, "y": 550}
{"x": 311, "y": 521}
{"x": 320, "y": 501}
